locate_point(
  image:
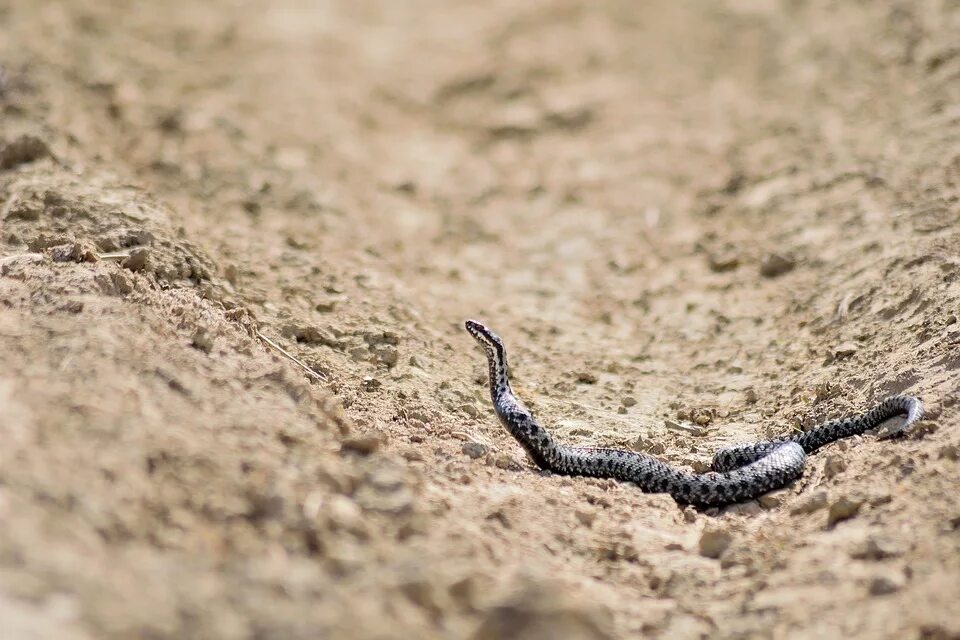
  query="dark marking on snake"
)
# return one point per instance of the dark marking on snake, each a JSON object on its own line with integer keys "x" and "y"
{"x": 739, "y": 473}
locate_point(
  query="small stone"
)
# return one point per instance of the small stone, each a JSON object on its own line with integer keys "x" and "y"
{"x": 325, "y": 305}
{"x": 386, "y": 355}
{"x": 202, "y": 340}
{"x": 689, "y": 514}
{"x": 537, "y": 611}
{"x": 834, "y": 466}
{"x": 772, "y": 500}
{"x": 475, "y": 449}
{"x": 949, "y": 452}
{"x": 628, "y": 401}
{"x": 584, "y": 517}
{"x": 750, "y": 395}
{"x": 343, "y": 513}
{"x": 470, "y": 410}
{"x": 844, "y": 350}
{"x": 713, "y": 542}
{"x": 886, "y": 583}
{"x": 506, "y": 462}
{"x": 308, "y": 334}
{"x": 22, "y": 150}
{"x": 646, "y": 445}
{"x": 586, "y": 377}
{"x": 364, "y": 444}
{"x": 877, "y": 548}
{"x": 374, "y": 338}
{"x": 842, "y": 509}
{"x": 621, "y": 409}
{"x": 723, "y": 261}
{"x": 115, "y": 283}
{"x": 776, "y": 264}
{"x": 137, "y": 260}
{"x": 879, "y": 497}
{"x": 814, "y": 502}
{"x": 370, "y": 384}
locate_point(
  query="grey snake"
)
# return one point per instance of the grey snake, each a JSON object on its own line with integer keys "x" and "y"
{"x": 739, "y": 473}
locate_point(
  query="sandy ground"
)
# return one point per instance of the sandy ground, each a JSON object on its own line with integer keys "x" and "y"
{"x": 692, "y": 223}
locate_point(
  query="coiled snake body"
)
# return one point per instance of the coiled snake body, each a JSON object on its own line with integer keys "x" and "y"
{"x": 740, "y": 473}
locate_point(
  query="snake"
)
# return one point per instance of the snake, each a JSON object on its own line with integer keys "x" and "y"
{"x": 738, "y": 473}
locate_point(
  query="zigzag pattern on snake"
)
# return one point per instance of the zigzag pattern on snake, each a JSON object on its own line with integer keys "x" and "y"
{"x": 740, "y": 473}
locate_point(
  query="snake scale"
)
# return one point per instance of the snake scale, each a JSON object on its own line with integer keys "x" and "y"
{"x": 739, "y": 473}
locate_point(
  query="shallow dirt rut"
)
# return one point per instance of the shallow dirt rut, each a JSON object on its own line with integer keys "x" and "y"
{"x": 692, "y": 225}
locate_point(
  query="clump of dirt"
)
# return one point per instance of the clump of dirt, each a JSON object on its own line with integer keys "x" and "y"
{"x": 693, "y": 225}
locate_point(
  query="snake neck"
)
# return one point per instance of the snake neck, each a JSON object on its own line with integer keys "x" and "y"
{"x": 499, "y": 382}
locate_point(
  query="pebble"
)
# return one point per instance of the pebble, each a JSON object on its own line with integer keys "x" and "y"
{"x": 713, "y": 542}
{"x": 776, "y": 264}
{"x": 538, "y": 611}
{"x": 886, "y": 583}
{"x": 470, "y": 410}
{"x": 370, "y": 384}
{"x": 506, "y": 461}
{"x": 950, "y": 452}
{"x": 137, "y": 260}
{"x": 628, "y": 401}
{"x": 646, "y": 445}
{"x": 386, "y": 354}
{"x": 750, "y": 395}
{"x": 74, "y": 252}
{"x": 325, "y": 305}
{"x": 877, "y": 548}
{"x": 344, "y": 513}
{"x": 842, "y": 509}
{"x": 364, "y": 444}
{"x": 202, "y": 340}
{"x": 308, "y": 334}
{"x": 475, "y": 449}
{"x": 374, "y": 338}
{"x": 844, "y": 350}
{"x": 814, "y": 502}
{"x": 22, "y": 150}
{"x": 834, "y": 466}
{"x": 585, "y": 517}
{"x": 586, "y": 377}
{"x": 773, "y": 499}
{"x": 723, "y": 261}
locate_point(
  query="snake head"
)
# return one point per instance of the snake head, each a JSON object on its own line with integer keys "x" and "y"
{"x": 490, "y": 341}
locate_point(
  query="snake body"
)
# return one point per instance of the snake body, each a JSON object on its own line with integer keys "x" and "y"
{"x": 739, "y": 473}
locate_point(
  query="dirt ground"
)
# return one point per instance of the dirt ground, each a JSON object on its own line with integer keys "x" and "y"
{"x": 693, "y": 224}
